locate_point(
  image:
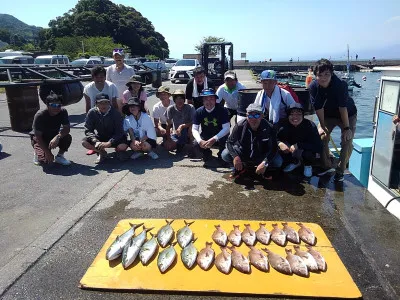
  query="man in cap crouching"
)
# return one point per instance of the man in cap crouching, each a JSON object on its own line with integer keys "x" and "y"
{"x": 214, "y": 122}
{"x": 103, "y": 128}
{"x": 252, "y": 143}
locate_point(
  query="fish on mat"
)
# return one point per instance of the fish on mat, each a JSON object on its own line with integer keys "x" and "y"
{"x": 306, "y": 234}
{"x": 166, "y": 258}
{"x": 219, "y": 236}
{"x": 248, "y": 235}
{"x": 307, "y": 257}
{"x": 184, "y": 235}
{"x": 278, "y": 262}
{"x": 189, "y": 254}
{"x": 116, "y": 248}
{"x": 291, "y": 234}
{"x": 239, "y": 261}
{"x": 321, "y": 263}
{"x": 263, "y": 235}
{"x": 235, "y": 236}
{"x": 148, "y": 249}
{"x": 206, "y": 257}
{"x": 165, "y": 234}
{"x": 278, "y": 235}
{"x": 223, "y": 261}
{"x": 258, "y": 259}
{"x": 297, "y": 264}
{"x": 132, "y": 248}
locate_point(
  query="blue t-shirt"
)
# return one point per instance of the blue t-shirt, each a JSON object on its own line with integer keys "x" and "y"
{"x": 210, "y": 122}
{"x": 332, "y": 97}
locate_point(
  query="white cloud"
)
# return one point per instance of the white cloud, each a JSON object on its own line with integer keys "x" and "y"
{"x": 393, "y": 19}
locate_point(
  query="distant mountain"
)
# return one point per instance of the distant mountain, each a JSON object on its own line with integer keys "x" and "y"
{"x": 16, "y": 26}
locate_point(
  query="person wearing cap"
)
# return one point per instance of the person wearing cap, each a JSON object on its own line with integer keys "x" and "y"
{"x": 103, "y": 128}
{"x": 140, "y": 129}
{"x": 119, "y": 73}
{"x": 180, "y": 118}
{"x": 228, "y": 93}
{"x": 46, "y": 134}
{"x": 334, "y": 107}
{"x": 195, "y": 85}
{"x": 273, "y": 100}
{"x": 159, "y": 109}
{"x": 298, "y": 141}
{"x": 97, "y": 86}
{"x": 252, "y": 144}
{"x": 213, "y": 120}
{"x": 135, "y": 89}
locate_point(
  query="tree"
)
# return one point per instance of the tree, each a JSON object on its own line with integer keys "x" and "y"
{"x": 209, "y": 39}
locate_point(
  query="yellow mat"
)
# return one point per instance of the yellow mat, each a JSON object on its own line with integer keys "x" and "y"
{"x": 335, "y": 282}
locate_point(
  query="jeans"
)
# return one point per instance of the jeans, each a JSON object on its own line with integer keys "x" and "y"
{"x": 275, "y": 163}
{"x": 182, "y": 139}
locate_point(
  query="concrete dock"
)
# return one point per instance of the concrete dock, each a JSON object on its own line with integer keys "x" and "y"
{"x": 55, "y": 219}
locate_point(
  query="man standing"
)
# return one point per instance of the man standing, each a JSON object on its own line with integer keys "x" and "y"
{"x": 298, "y": 141}
{"x": 159, "y": 109}
{"x": 214, "y": 122}
{"x": 180, "y": 118}
{"x": 119, "y": 73}
{"x": 252, "y": 143}
{"x": 273, "y": 100}
{"x": 195, "y": 85}
{"x": 334, "y": 107}
{"x": 46, "y": 134}
{"x": 103, "y": 129}
{"x": 228, "y": 93}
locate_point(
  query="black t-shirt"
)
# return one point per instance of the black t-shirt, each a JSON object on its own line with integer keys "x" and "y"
{"x": 331, "y": 98}
{"x": 197, "y": 102}
{"x": 210, "y": 122}
{"x": 49, "y": 126}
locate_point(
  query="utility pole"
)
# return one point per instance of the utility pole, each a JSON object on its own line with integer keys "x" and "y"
{"x": 83, "y": 48}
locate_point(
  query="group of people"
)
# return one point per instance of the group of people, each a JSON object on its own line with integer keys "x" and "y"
{"x": 272, "y": 134}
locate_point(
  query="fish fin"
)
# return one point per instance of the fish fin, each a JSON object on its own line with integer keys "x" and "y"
{"x": 194, "y": 239}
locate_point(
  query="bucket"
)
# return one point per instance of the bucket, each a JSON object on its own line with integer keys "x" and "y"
{"x": 71, "y": 91}
{"x": 23, "y": 103}
{"x": 246, "y": 97}
{"x": 157, "y": 80}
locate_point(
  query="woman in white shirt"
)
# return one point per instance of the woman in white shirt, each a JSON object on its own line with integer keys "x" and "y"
{"x": 140, "y": 129}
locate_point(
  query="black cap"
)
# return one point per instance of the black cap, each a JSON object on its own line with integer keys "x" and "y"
{"x": 102, "y": 98}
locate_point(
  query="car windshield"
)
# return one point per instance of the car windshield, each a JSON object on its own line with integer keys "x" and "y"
{"x": 45, "y": 61}
{"x": 153, "y": 65}
{"x": 185, "y": 62}
{"x": 171, "y": 61}
{"x": 79, "y": 62}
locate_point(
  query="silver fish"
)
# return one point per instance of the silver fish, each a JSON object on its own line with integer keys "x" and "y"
{"x": 219, "y": 236}
{"x": 248, "y": 235}
{"x": 116, "y": 248}
{"x": 148, "y": 249}
{"x": 223, "y": 261}
{"x": 206, "y": 257}
{"x": 291, "y": 234}
{"x": 239, "y": 261}
{"x": 258, "y": 259}
{"x": 189, "y": 255}
{"x": 297, "y": 264}
{"x": 278, "y": 235}
{"x": 131, "y": 249}
{"x": 235, "y": 236}
{"x": 165, "y": 234}
{"x": 278, "y": 262}
{"x": 166, "y": 258}
{"x": 184, "y": 235}
{"x": 263, "y": 235}
{"x": 309, "y": 260}
{"x": 321, "y": 263}
{"x": 306, "y": 234}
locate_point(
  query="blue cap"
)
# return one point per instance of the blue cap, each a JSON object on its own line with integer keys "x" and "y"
{"x": 208, "y": 92}
{"x": 268, "y": 74}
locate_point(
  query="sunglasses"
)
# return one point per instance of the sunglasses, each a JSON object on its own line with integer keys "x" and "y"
{"x": 254, "y": 116}
{"x": 55, "y": 105}
{"x": 118, "y": 49}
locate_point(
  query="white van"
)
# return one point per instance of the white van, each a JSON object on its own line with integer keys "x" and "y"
{"x": 17, "y": 59}
{"x": 52, "y": 60}
{"x": 11, "y": 52}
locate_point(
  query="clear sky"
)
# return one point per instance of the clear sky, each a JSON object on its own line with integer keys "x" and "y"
{"x": 277, "y": 29}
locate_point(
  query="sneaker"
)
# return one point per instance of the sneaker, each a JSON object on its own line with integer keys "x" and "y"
{"x": 339, "y": 177}
{"x": 153, "y": 155}
{"x": 90, "y": 152}
{"x": 207, "y": 155}
{"x": 101, "y": 156}
{"x": 307, "y": 171}
{"x": 326, "y": 171}
{"x": 291, "y": 167}
{"x": 60, "y": 159}
{"x": 36, "y": 160}
{"x": 136, "y": 155}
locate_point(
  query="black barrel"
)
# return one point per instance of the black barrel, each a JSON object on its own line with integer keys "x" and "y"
{"x": 246, "y": 97}
{"x": 23, "y": 103}
{"x": 304, "y": 98}
{"x": 71, "y": 91}
{"x": 157, "y": 80}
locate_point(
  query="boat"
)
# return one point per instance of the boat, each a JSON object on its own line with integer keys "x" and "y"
{"x": 347, "y": 76}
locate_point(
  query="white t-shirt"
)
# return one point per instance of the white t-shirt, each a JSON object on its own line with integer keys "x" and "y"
{"x": 143, "y": 126}
{"x": 91, "y": 91}
{"x": 231, "y": 98}
{"x": 159, "y": 111}
{"x": 119, "y": 78}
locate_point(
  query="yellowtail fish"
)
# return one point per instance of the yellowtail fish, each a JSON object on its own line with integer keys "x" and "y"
{"x": 184, "y": 235}
{"x": 132, "y": 248}
{"x": 166, "y": 258}
{"x": 148, "y": 249}
{"x": 189, "y": 255}
{"x": 165, "y": 234}
{"x": 116, "y": 248}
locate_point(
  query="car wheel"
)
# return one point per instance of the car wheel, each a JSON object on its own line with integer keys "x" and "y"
{"x": 173, "y": 81}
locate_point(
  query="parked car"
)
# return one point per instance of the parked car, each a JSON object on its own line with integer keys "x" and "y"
{"x": 170, "y": 62}
{"x": 17, "y": 59}
{"x": 84, "y": 62}
{"x": 183, "y": 70}
{"x": 158, "y": 65}
{"x": 52, "y": 60}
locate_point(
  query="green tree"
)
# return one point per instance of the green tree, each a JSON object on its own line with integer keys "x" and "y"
{"x": 209, "y": 39}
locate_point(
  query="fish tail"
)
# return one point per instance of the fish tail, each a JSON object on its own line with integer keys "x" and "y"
{"x": 262, "y": 224}
{"x": 188, "y": 223}
{"x": 169, "y": 222}
{"x": 135, "y": 225}
{"x": 300, "y": 224}
{"x": 265, "y": 250}
{"x": 147, "y": 229}
{"x": 236, "y": 226}
{"x": 217, "y": 226}
{"x": 284, "y": 223}
{"x": 275, "y": 225}
{"x": 288, "y": 251}
{"x": 209, "y": 244}
{"x": 296, "y": 247}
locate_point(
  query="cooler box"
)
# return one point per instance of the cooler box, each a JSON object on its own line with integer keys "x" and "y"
{"x": 360, "y": 159}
